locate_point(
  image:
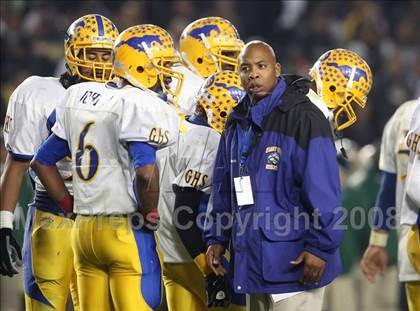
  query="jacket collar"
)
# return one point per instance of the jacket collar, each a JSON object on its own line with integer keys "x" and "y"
{"x": 262, "y": 108}
{"x": 297, "y": 88}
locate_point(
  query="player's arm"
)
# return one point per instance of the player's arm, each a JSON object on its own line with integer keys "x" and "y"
{"x": 185, "y": 213}
{"x": 10, "y": 184}
{"x": 11, "y": 181}
{"x": 143, "y": 156}
{"x": 44, "y": 164}
{"x": 186, "y": 210}
{"x": 19, "y": 138}
{"x": 375, "y": 258}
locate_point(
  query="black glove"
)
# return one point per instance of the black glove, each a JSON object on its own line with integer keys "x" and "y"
{"x": 217, "y": 289}
{"x": 10, "y": 254}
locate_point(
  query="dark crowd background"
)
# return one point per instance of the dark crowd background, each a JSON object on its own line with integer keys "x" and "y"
{"x": 383, "y": 32}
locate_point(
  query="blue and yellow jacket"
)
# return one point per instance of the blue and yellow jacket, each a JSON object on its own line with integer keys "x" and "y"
{"x": 296, "y": 190}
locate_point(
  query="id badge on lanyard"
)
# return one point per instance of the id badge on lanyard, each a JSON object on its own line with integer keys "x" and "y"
{"x": 243, "y": 188}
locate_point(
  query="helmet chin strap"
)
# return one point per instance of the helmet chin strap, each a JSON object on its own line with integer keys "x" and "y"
{"x": 340, "y": 136}
{"x": 208, "y": 47}
{"x": 350, "y": 82}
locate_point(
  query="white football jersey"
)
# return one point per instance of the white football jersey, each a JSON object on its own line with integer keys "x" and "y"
{"x": 411, "y": 199}
{"x": 317, "y": 101}
{"x": 98, "y": 120}
{"x": 189, "y": 164}
{"x": 190, "y": 88}
{"x": 394, "y": 159}
{"x": 25, "y": 128}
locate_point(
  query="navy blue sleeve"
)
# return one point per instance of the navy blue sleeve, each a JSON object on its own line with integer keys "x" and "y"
{"x": 51, "y": 121}
{"x": 20, "y": 157}
{"x": 220, "y": 199}
{"x": 52, "y": 150}
{"x": 141, "y": 153}
{"x": 385, "y": 203}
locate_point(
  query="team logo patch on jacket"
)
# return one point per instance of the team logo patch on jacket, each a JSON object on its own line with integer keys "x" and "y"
{"x": 273, "y": 158}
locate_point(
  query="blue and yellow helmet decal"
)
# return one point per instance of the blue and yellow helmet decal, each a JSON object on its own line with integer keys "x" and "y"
{"x": 144, "y": 55}
{"x": 209, "y": 43}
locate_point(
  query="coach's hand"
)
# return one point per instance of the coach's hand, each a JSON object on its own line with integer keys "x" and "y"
{"x": 213, "y": 255}
{"x": 217, "y": 289}
{"x": 374, "y": 261}
{"x": 313, "y": 268}
{"x": 10, "y": 254}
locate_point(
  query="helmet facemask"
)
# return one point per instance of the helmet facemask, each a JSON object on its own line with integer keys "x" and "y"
{"x": 100, "y": 71}
{"x": 344, "y": 114}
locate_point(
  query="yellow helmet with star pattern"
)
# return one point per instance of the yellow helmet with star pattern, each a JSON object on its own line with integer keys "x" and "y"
{"x": 91, "y": 31}
{"x": 219, "y": 94}
{"x": 343, "y": 79}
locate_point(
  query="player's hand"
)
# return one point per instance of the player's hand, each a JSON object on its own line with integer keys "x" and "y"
{"x": 374, "y": 261}
{"x": 217, "y": 289}
{"x": 313, "y": 268}
{"x": 10, "y": 254}
{"x": 213, "y": 255}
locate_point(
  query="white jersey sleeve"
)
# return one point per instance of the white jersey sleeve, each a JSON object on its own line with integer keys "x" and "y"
{"x": 196, "y": 157}
{"x": 59, "y": 126}
{"x": 387, "y": 158}
{"x": 27, "y": 114}
{"x": 411, "y": 201}
{"x": 149, "y": 119}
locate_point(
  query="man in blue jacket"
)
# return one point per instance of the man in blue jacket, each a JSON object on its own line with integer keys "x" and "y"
{"x": 276, "y": 190}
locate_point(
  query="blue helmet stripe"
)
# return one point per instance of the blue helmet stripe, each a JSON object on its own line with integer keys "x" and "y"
{"x": 100, "y": 25}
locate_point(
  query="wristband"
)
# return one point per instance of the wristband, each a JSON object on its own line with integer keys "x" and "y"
{"x": 6, "y": 219}
{"x": 66, "y": 203}
{"x": 152, "y": 217}
{"x": 378, "y": 238}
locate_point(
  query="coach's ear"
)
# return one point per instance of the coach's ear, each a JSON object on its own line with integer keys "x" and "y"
{"x": 277, "y": 69}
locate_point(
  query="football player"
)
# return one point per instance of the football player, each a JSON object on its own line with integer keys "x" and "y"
{"x": 112, "y": 132}
{"x": 207, "y": 45}
{"x": 47, "y": 254}
{"x": 393, "y": 163}
{"x": 187, "y": 170}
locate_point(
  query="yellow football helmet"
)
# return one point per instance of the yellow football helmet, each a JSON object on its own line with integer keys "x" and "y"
{"x": 219, "y": 94}
{"x": 89, "y": 31}
{"x": 342, "y": 79}
{"x": 144, "y": 54}
{"x": 208, "y": 43}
